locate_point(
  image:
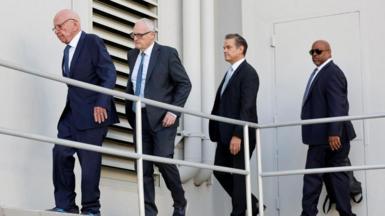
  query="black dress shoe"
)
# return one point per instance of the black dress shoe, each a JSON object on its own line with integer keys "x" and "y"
{"x": 61, "y": 210}
{"x": 91, "y": 214}
{"x": 256, "y": 212}
{"x": 179, "y": 211}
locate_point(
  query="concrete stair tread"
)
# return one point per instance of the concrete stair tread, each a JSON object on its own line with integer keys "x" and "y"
{"x": 4, "y": 211}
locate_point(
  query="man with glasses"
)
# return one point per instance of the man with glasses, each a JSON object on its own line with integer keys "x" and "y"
{"x": 86, "y": 115}
{"x": 329, "y": 143}
{"x": 156, "y": 73}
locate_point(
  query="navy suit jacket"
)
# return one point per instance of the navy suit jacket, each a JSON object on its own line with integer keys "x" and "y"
{"x": 238, "y": 101}
{"x": 327, "y": 97}
{"x": 92, "y": 64}
{"x": 166, "y": 81}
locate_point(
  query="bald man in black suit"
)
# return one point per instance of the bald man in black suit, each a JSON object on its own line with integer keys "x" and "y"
{"x": 326, "y": 95}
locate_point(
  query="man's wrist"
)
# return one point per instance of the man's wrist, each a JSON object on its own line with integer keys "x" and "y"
{"x": 172, "y": 114}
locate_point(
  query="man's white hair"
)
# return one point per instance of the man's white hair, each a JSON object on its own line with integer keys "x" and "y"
{"x": 149, "y": 23}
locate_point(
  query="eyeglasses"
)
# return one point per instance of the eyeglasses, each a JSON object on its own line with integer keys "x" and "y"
{"x": 59, "y": 26}
{"x": 316, "y": 51}
{"x": 138, "y": 35}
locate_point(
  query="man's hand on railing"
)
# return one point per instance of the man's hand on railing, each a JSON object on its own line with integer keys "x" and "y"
{"x": 100, "y": 114}
{"x": 334, "y": 143}
{"x": 235, "y": 145}
{"x": 169, "y": 119}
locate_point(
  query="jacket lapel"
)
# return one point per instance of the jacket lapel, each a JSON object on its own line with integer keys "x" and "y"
{"x": 234, "y": 76}
{"x": 316, "y": 79}
{"x": 153, "y": 59}
{"x": 220, "y": 87}
{"x": 62, "y": 66}
{"x": 132, "y": 60}
{"x": 151, "y": 65}
{"x": 78, "y": 50}
{"x": 131, "y": 64}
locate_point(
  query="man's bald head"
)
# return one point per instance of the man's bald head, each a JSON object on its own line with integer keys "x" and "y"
{"x": 66, "y": 14}
{"x": 325, "y": 44}
{"x": 66, "y": 25}
{"x": 320, "y": 52}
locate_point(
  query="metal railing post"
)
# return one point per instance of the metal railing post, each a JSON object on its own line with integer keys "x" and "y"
{"x": 259, "y": 172}
{"x": 139, "y": 161}
{"x": 247, "y": 168}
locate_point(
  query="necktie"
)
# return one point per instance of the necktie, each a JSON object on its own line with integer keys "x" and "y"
{"x": 66, "y": 61}
{"x": 227, "y": 78}
{"x": 138, "y": 86}
{"x": 139, "y": 76}
{"x": 309, "y": 84}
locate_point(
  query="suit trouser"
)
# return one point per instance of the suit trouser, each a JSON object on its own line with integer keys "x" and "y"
{"x": 160, "y": 143}
{"x": 319, "y": 156}
{"x": 90, "y": 162}
{"x": 234, "y": 184}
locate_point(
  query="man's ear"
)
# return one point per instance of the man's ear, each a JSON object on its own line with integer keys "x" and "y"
{"x": 242, "y": 48}
{"x": 77, "y": 24}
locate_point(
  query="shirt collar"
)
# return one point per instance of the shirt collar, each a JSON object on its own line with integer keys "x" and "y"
{"x": 319, "y": 68}
{"x": 149, "y": 49}
{"x": 237, "y": 63}
{"x": 74, "y": 42}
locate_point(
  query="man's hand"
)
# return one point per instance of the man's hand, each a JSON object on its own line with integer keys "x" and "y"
{"x": 100, "y": 114}
{"x": 235, "y": 145}
{"x": 169, "y": 119}
{"x": 334, "y": 143}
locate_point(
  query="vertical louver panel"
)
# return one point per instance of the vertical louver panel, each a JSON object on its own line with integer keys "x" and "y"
{"x": 113, "y": 21}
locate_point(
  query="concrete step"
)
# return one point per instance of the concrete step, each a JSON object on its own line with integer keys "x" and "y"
{"x": 4, "y": 211}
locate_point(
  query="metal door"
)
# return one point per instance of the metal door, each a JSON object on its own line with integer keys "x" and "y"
{"x": 293, "y": 65}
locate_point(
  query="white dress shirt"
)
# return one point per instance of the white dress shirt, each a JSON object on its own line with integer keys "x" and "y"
{"x": 146, "y": 61}
{"x": 73, "y": 44}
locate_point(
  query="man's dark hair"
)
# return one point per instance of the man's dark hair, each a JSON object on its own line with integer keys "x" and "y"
{"x": 239, "y": 41}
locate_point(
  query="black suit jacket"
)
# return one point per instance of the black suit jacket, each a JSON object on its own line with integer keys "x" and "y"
{"x": 327, "y": 97}
{"x": 239, "y": 101}
{"x": 92, "y": 64}
{"x": 166, "y": 81}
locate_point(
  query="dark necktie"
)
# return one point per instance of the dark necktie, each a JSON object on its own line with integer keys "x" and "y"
{"x": 66, "y": 61}
{"x": 309, "y": 84}
{"x": 138, "y": 86}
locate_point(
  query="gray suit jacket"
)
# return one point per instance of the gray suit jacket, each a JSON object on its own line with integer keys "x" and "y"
{"x": 166, "y": 81}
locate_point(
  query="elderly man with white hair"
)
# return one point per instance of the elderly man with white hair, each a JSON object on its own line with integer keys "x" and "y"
{"x": 157, "y": 74}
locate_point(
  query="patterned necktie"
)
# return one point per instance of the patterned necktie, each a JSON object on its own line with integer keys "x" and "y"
{"x": 309, "y": 84}
{"x": 139, "y": 75}
{"x": 227, "y": 78}
{"x": 66, "y": 61}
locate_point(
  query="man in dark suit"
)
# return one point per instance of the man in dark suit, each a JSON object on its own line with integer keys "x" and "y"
{"x": 156, "y": 73}
{"x": 86, "y": 114}
{"x": 326, "y": 95}
{"x": 236, "y": 98}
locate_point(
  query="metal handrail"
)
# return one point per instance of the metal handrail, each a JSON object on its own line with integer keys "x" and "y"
{"x": 321, "y": 120}
{"x": 115, "y": 152}
{"x": 139, "y": 154}
{"x": 107, "y": 91}
{"x": 322, "y": 170}
{"x": 245, "y": 124}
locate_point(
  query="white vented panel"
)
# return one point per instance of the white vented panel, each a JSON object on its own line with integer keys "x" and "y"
{"x": 113, "y": 21}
